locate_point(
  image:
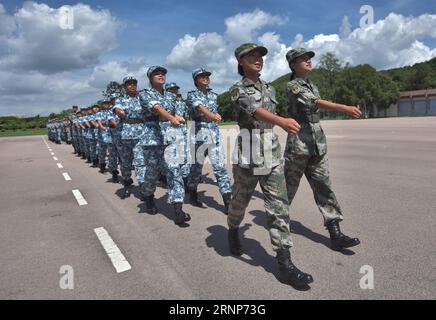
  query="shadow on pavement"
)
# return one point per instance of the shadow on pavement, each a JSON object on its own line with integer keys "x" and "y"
{"x": 254, "y": 254}
{"x": 260, "y": 218}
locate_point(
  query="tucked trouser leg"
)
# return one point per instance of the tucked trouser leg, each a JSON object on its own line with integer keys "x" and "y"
{"x": 277, "y": 207}
{"x": 317, "y": 173}
{"x": 153, "y": 164}
{"x": 219, "y": 168}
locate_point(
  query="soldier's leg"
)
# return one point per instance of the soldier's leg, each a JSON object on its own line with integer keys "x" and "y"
{"x": 153, "y": 164}
{"x": 217, "y": 158}
{"x": 126, "y": 159}
{"x": 317, "y": 173}
{"x": 277, "y": 207}
{"x": 102, "y": 152}
{"x": 295, "y": 166}
{"x": 196, "y": 169}
{"x": 277, "y": 210}
{"x": 243, "y": 188}
{"x": 139, "y": 162}
{"x": 112, "y": 157}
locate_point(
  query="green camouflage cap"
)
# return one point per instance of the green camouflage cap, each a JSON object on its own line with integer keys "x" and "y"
{"x": 298, "y": 52}
{"x": 247, "y": 47}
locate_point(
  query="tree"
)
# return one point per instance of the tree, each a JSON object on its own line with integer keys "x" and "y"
{"x": 329, "y": 67}
{"x": 363, "y": 86}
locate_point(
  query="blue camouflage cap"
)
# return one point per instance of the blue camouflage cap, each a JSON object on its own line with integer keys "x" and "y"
{"x": 129, "y": 78}
{"x": 199, "y": 71}
{"x": 154, "y": 69}
{"x": 171, "y": 85}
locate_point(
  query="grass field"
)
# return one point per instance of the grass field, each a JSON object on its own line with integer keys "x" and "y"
{"x": 20, "y": 133}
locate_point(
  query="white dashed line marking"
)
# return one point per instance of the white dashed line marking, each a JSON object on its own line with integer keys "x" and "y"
{"x": 55, "y": 159}
{"x": 52, "y": 153}
{"x": 118, "y": 260}
{"x": 60, "y": 166}
{"x": 79, "y": 198}
{"x": 66, "y": 176}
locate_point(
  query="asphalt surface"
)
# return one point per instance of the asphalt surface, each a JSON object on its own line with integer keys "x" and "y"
{"x": 383, "y": 172}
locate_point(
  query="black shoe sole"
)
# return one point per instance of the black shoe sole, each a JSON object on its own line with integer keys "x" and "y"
{"x": 340, "y": 248}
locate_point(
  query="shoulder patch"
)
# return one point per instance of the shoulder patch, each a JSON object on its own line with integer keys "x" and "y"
{"x": 234, "y": 93}
{"x": 295, "y": 88}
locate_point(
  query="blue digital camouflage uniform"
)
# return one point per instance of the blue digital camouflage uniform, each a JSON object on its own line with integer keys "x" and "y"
{"x": 306, "y": 153}
{"x": 115, "y": 138}
{"x": 159, "y": 140}
{"x": 182, "y": 111}
{"x": 266, "y": 168}
{"x": 103, "y": 137}
{"x": 207, "y": 136}
{"x": 131, "y": 134}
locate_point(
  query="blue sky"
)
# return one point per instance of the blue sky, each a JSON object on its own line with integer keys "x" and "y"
{"x": 147, "y": 32}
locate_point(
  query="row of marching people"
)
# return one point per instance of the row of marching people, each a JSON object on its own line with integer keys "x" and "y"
{"x": 146, "y": 131}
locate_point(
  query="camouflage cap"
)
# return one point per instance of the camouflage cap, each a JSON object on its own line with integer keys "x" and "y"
{"x": 298, "y": 52}
{"x": 171, "y": 85}
{"x": 154, "y": 69}
{"x": 129, "y": 78}
{"x": 199, "y": 71}
{"x": 248, "y": 47}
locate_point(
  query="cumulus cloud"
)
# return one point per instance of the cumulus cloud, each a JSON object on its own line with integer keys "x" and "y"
{"x": 33, "y": 38}
{"x": 394, "y": 41}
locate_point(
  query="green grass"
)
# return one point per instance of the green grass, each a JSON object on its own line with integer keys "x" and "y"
{"x": 228, "y": 123}
{"x": 21, "y": 132}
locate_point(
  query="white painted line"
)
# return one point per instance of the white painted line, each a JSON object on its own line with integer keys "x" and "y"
{"x": 55, "y": 159}
{"x": 60, "y": 166}
{"x": 79, "y": 198}
{"x": 50, "y": 150}
{"x": 52, "y": 153}
{"x": 45, "y": 142}
{"x": 66, "y": 176}
{"x": 118, "y": 260}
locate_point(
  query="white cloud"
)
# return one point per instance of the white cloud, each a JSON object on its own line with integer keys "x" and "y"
{"x": 34, "y": 40}
{"x": 394, "y": 41}
{"x": 243, "y": 27}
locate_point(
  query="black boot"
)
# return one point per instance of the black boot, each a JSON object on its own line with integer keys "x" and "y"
{"x": 83, "y": 156}
{"x": 180, "y": 217}
{"x": 149, "y": 203}
{"x": 227, "y": 197}
{"x": 339, "y": 240}
{"x": 193, "y": 199}
{"x": 102, "y": 168}
{"x": 115, "y": 176}
{"x": 289, "y": 273}
{"x": 88, "y": 160}
{"x": 234, "y": 243}
{"x": 95, "y": 163}
{"x": 126, "y": 191}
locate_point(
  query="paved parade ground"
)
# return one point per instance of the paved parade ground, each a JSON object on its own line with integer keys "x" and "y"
{"x": 383, "y": 172}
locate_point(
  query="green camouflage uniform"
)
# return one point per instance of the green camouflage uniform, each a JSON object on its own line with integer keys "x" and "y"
{"x": 306, "y": 153}
{"x": 247, "y": 97}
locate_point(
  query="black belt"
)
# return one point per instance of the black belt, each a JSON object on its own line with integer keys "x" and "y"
{"x": 311, "y": 118}
{"x": 133, "y": 121}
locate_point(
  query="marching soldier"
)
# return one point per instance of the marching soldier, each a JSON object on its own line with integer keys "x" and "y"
{"x": 306, "y": 152}
{"x": 255, "y": 106}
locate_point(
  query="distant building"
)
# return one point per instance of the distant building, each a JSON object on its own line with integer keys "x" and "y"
{"x": 418, "y": 103}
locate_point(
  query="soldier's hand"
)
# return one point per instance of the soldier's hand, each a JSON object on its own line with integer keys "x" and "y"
{"x": 181, "y": 119}
{"x": 290, "y": 125}
{"x": 175, "y": 122}
{"x": 217, "y": 118}
{"x": 354, "y": 112}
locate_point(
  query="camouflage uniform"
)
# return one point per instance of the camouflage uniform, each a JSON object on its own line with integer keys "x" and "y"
{"x": 306, "y": 153}
{"x": 103, "y": 137}
{"x": 267, "y": 169}
{"x": 207, "y": 133}
{"x": 154, "y": 144}
{"x": 131, "y": 134}
{"x": 114, "y": 141}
